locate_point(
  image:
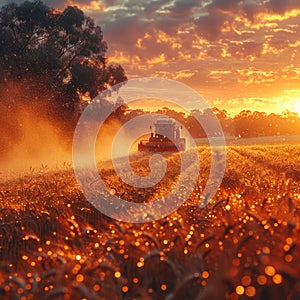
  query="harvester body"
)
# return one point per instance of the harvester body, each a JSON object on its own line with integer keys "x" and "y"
{"x": 165, "y": 138}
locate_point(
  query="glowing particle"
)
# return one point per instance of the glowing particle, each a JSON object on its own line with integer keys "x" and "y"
{"x": 124, "y": 289}
{"x": 277, "y": 279}
{"x": 205, "y": 274}
{"x": 288, "y": 258}
{"x": 240, "y": 290}
{"x": 250, "y": 291}
{"x": 227, "y": 207}
{"x": 270, "y": 270}
{"x": 96, "y": 287}
{"x": 163, "y": 287}
{"x": 246, "y": 280}
{"x": 261, "y": 279}
{"x": 78, "y": 257}
{"x": 79, "y": 278}
{"x": 7, "y": 288}
{"x": 135, "y": 280}
{"x": 117, "y": 274}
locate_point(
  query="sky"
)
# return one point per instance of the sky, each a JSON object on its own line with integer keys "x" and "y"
{"x": 237, "y": 54}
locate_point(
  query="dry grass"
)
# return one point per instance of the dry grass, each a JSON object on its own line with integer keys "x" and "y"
{"x": 245, "y": 244}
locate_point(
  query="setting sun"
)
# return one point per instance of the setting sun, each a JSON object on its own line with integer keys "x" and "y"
{"x": 296, "y": 107}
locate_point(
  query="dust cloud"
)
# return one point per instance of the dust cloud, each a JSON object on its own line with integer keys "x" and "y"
{"x": 31, "y": 139}
{"x": 106, "y": 137}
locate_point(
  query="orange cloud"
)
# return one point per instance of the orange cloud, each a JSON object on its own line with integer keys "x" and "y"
{"x": 225, "y": 49}
{"x": 184, "y": 74}
{"x": 157, "y": 60}
{"x": 88, "y": 5}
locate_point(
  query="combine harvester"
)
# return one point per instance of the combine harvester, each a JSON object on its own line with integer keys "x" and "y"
{"x": 159, "y": 141}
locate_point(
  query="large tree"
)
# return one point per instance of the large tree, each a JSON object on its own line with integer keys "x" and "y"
{"x": 55, "y": 56}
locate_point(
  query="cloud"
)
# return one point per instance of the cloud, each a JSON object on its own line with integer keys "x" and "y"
{"x": 186, "y": 74}
{"x": 280, "y": 7}
{"x": 225, "y": 5}
{"x": 61, "y": 4}
{"x": 56, "y": 3}
{"x": 210, "y": 25}
{"x": 153, "y": 6}
{"x": 222, "y": 48}
{"x": 246, "y": 49}
{"x": 251, "y": 8}
{"x": 125, "y": 30}
{"x": 182, "y": 8}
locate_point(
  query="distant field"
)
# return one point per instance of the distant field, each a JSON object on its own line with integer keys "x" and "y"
{"x": 266, "y": 140}
{"x": 244, "y": 245}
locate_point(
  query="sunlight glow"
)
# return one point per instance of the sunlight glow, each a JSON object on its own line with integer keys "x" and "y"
{"x": 296, "y": 107}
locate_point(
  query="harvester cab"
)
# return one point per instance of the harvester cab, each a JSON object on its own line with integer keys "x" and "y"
{"x": 165, "y": 138}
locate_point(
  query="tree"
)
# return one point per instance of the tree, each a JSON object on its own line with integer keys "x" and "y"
{"x": 54, "y": 56}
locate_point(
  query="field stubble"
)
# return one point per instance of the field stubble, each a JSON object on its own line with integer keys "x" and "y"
{"x": 243, "y": 245}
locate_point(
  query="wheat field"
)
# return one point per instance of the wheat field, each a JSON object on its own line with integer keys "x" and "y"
{"x": 244, "y": 245}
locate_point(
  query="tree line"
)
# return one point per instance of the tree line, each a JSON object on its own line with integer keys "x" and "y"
{"x": 245, "y": 124}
